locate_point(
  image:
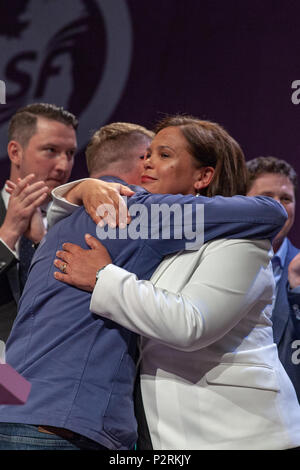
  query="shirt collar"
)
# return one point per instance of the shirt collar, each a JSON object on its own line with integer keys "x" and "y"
{"x": 282, "y": 252}
{"x": 5, "y": 196}
{"x": 115, "y": 179}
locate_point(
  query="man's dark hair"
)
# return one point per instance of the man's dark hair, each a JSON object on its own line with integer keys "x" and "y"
{"x": 261, "y": 165}
{"x": 23, "y": 124}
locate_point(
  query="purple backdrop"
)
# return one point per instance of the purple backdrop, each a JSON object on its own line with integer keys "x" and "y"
{"x": 228, "y": 61}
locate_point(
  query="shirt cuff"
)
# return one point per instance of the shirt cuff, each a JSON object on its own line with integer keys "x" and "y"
{"x": 12, "y": 251}
{"x": 58, "y": 193}
{"x": 61, "y": 207}
{"x": 101, "y": 287}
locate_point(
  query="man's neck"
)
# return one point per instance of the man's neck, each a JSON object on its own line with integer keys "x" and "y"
{"x": 277, "y": 244}
{"x": 14, "y": 174}
{"x": 107, "y": 174}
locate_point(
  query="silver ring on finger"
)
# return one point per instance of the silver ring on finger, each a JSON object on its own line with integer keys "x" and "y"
{"x": 63, "y": 268}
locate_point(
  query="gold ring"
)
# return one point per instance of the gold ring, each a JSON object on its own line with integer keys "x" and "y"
{"x": 64, "y": 268}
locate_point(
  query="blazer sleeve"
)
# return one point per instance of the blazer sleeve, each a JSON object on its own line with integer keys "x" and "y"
{"x": 218, "y": 295}
{"x": 7, "y": 258}
{"x": 235, "y": 217}
{"x": 60, "y": 207}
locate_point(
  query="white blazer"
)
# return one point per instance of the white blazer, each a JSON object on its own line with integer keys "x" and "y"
{"x": 210, "y": 373}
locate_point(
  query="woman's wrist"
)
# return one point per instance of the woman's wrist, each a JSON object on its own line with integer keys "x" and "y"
{"x": 78, "y": 194}
{"x": 75, "y": 195}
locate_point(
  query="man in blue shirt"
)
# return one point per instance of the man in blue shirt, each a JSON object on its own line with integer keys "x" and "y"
{"x": 81, "y": 366}
{"x": 272, "y": 177}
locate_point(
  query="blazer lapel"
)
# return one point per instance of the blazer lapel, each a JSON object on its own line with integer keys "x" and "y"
{"x": 13, "y": 273}
{"x": 2, "y": 210}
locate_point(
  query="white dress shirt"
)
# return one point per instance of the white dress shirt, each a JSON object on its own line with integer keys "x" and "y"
{"x": 5, "y": 196}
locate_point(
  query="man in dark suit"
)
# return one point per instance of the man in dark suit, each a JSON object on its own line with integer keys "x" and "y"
{"x": 41, "y": 148}
{"x": 272, "y": 177}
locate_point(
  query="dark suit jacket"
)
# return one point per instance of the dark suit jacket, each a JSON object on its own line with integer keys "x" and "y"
{"x": 9, "y": 284}
{"x": 286, "y": 326}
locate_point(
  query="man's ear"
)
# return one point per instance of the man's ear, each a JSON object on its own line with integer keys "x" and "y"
{"x": 15, "y": 152}
{"x": 204, "y": 178}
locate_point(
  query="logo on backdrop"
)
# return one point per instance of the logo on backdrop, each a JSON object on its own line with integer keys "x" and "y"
{"x": 75, "y": 53}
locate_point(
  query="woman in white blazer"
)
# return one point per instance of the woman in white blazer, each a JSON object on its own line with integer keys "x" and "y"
{"x": 209, "y": 369}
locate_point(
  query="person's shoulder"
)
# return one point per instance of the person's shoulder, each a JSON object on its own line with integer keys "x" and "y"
{"x": 292, "y": 251}
{"x": 77, "y": 220}
{"x": 237, "y": 243}
{"x": 292, "y": 247}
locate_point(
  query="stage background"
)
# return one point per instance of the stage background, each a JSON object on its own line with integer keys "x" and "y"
{"x": 230, "y": 61}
